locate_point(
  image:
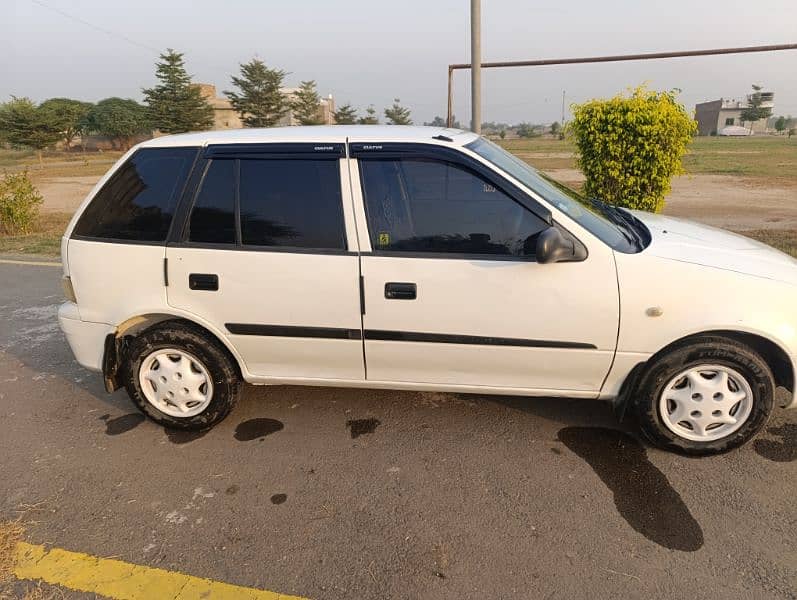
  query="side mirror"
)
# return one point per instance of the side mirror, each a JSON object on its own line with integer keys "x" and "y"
{"x": 553, "y": 247}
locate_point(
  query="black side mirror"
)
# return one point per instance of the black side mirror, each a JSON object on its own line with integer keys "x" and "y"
{"x": 553, "y": 247}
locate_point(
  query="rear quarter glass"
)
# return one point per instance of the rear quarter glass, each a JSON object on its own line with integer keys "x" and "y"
{"x": 138, "y": 201}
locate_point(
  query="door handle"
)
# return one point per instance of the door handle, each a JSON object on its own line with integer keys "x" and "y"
{"x": 203, "y": 281}
{"x": 401, "y": 291}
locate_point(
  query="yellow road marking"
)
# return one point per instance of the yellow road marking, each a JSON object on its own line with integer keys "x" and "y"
{"x": 122, "y": 580}
{"x": 35, "y": 263}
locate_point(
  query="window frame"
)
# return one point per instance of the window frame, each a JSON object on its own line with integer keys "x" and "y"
{"x": 177, "y": 216}
{"x": 432, "y": 152}
{"x": 261, "y": 151}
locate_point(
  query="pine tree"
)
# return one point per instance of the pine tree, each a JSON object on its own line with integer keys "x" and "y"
{"x": 346, "y": 115}
{"x": 370, "y": 117}
{"x": 174, "y": 105}
{"x": 305, "y": 104}
{"x": 397, "y": 114}
{"x": 258, "y": 100}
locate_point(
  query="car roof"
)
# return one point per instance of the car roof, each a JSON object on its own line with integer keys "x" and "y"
{"x": 314, "y": 133}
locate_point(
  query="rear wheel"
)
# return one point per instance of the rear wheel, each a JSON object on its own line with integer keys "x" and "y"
{"x": 180, "y": 377}
{"x": 708, "y": 395}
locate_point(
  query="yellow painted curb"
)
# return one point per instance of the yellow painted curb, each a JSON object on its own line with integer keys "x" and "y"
{"x": 34, "y": 263}
{"x": 124, "y": 581}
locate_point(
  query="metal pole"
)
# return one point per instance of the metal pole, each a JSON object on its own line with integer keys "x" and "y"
{"x": 478, "y": 65}
{"x": 476, "y": 61}
{"x": 450, "y": 113}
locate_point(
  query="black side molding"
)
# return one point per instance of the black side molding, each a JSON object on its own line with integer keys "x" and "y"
{"x": 337, "y": 333}
{"x": 477, "y": 340}
{"x": 333, "y": 333}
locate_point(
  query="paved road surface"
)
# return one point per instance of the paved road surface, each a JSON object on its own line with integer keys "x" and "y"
{"x": 332, "y": 493}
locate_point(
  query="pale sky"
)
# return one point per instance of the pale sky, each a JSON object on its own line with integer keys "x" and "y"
{"x": 370, "y": 51}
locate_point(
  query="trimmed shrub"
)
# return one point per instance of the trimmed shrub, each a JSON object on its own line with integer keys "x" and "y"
{"x": 19, "y": 203}
{"x": 630, "y": 147}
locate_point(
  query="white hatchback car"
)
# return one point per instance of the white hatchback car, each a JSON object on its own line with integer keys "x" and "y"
{"x": 419, "y": 259}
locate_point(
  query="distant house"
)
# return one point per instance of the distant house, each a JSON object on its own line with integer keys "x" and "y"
{"x": 225, "y": 117}
{"x": 714, "y": 116}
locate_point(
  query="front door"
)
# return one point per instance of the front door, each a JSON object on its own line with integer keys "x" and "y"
{"x": 453, "y": 294}
{"x": 266, "y": 259}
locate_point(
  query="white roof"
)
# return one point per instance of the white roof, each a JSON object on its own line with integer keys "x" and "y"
{"x": 314, "y": 133}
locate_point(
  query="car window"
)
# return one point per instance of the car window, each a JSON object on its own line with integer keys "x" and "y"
{"x": 291, "y": 202}
{"x": 213, "y": 215}
{"x": 419, "y": 205}
{"x": 138, "y": 201}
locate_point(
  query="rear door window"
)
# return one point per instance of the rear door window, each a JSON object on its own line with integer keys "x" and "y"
{"x": 270, "y": 203}
{"x": 138, "y": 201}
{"x": 293, "y": 203}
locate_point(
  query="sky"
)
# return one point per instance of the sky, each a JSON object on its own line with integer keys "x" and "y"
{"x": 371, "y": 51}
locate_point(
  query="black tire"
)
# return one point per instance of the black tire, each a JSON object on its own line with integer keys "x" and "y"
{"x": 220, "y": 366}
{"x": 715, "y": 350}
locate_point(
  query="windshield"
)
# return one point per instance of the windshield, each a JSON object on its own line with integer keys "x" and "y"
{"x": 615, "y": 227}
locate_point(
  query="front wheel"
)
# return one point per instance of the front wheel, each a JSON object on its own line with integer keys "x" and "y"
{"x": 180, "y": 377}
{"x": 704, "y": 397}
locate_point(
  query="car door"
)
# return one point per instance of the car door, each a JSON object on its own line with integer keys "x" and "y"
{"x": 266, "y": 258}
{"x": 452, "y": 292}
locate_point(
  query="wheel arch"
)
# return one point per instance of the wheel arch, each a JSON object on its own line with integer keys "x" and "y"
{"x": 770, "y": 351}
{"x": 116, "y": 343}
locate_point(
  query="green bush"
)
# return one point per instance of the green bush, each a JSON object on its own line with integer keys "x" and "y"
{"x": 19, "y": 203}
{"x": 630, "y": 147}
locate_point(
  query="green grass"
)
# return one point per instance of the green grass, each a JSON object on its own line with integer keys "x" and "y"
{"x": 44, "y": 238}
{"x": 58, "y": 164}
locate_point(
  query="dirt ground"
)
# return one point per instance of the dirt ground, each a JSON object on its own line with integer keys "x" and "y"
{"x": 726, "y": 201}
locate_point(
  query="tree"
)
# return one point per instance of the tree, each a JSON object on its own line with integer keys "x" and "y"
{"x": 370, "y": 117}
{"x": 754, "y": 111}
{"x": 397, "y": 114}
{"x": 527, "y": 130}
{"x": 555, "y": 127}
{"x": 306, "y": 104}
{"x": 69, "y": 114}
{"x": 436, "y": 122}
{"x": 780, "y": 124}
{"x": 502, "y": 133}
{"x": 119, "y": 119}
{"x": 22, "y": 123}
{"x": 174, "y": 105}
{"x": 258, "y": 100}
{"x": 346, "y": 115}
{"x": 629, "y": 147}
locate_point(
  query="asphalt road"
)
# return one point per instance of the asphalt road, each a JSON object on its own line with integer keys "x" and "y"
{"x": 333, "y": 493}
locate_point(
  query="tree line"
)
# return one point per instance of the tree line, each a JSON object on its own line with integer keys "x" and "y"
{"x": 175, "y": 105}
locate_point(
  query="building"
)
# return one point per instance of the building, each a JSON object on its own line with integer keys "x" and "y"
{"x": 225, "y": 116}
{"x": 712, "y": 117}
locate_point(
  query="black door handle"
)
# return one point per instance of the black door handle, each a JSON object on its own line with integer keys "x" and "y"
{"x": 203, "y": 281}
{"x": 401, "y": 291}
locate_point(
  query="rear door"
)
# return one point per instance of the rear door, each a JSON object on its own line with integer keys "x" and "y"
{"x": 453, "y": 293}
{"x": 265, "y": 257}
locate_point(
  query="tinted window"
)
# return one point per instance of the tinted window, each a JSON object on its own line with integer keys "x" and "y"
{"x": 294, "y": 203}
{"x": 213, "y": 215}
{"x": 138, "y": 201}
{"x": 433, "y": 206}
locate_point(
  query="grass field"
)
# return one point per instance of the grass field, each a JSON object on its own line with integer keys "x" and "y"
{"x": 769, "y": 158}
{"x": 57, "y": 164}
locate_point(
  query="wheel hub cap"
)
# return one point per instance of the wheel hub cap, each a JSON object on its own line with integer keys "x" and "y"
{"x": 175, "y": 382}
{"x": 706, "y": 403}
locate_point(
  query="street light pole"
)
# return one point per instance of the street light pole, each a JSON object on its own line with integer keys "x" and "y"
{"x": 476, "y": 66}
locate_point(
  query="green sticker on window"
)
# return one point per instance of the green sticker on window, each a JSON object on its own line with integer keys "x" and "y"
{"x": 384, "y": 238}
